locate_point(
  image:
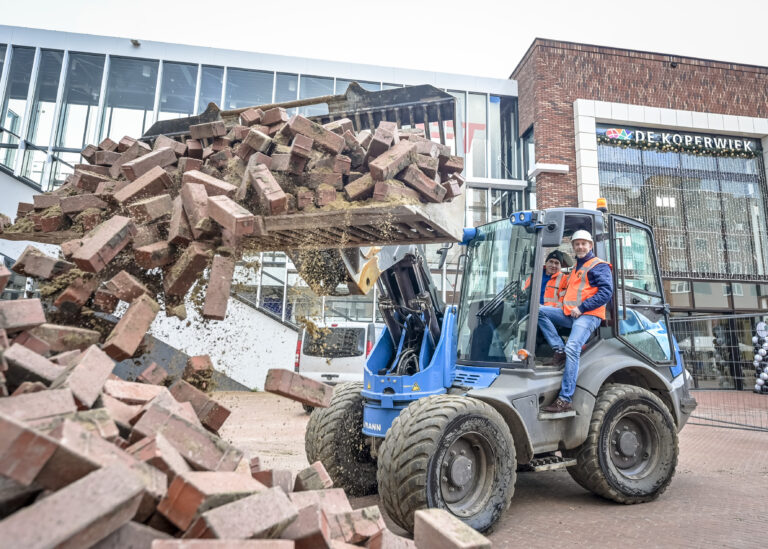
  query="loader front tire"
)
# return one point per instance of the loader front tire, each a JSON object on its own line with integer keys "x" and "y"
{"x": 449, "y": 452}
{"x": 631, "y": 449}
{"x": 334, "y": 436}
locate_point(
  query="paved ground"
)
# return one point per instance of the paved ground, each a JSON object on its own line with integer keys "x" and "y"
{"x": 718, "y": 498}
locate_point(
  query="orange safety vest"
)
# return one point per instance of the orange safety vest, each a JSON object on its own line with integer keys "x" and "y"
{"x": 579, "y": 290}
{"x": 555, "y": 290}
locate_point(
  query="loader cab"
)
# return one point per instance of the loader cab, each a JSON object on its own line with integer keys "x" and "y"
{"x": 502, "y": 284}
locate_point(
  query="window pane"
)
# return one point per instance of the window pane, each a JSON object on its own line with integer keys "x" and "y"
{"x": 210, "y": 87}
{"x": 639, "y": 265}
{"x": 678, "y": 293}
{"x": 15, "y": 101}
{"x": 342, "y": 84}
{"x": 130, "y": 97}
{"x": 80, "y": 103}
{"x": 177, "y": 93}
{"x": 248, "y": 88}
{"x": 3, "y": 48}
{"x": 41, "y": 116}
{"x": 60, "y": 170}
{"x": 477, "y": 207}
{"x": 711, "y": 295}
{"x": 456, "y": 139}
{"x": 476, "y": 135}
{"x": 287, "y": 89}
{"x": 745, "y": 296}
{"x": 314, "y": 86}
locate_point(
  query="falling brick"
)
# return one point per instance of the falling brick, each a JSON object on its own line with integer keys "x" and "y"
{"x": 180, "y": 277}
{"x": 217, "y": 294}
{"x": 211, "y": 414}
{"x": 107, "y": 241}
{"x": 299, "y": 388}
{"x": 20, "y": 314}
{"x": 127, "y": 335}
{"x": 33, "y": 262}
{"x": 153, "y": 374}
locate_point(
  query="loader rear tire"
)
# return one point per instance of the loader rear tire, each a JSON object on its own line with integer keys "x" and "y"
{"x": 630, "y": 453}
{"x": 334, "y": 436}
{"x": 449, "y": 452}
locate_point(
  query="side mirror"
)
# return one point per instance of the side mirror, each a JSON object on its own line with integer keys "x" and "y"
{"x": 443, "y": 253}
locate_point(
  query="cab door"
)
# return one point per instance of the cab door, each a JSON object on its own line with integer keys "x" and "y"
{"x": 641, "y": 314}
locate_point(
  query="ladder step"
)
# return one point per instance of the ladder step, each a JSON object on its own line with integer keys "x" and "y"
{"x": 549, "y": 463}
{"x": 543, "y": 416}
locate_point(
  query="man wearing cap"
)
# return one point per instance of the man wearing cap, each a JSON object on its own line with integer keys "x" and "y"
{"x": 553, "y": 282}
{"x": 588, "y": 290}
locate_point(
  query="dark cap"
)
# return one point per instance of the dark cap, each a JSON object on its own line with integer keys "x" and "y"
{"x": 564, "y": 259}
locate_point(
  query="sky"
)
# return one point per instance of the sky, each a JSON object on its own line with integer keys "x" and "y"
{"x": 471, "y": 37}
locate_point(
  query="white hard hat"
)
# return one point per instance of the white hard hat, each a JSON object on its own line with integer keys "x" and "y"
{"x": 582, "y": 235}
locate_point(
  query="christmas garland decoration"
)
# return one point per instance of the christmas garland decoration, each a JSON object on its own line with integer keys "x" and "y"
{"x": 678, "y": 148}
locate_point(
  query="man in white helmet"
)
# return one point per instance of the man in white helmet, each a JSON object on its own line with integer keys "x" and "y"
{"x": 588, "y": 290}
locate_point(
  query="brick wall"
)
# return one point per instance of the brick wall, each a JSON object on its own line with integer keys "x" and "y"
{"x": 552, "y": 75}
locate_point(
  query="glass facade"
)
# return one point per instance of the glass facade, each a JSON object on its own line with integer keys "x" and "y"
{"x": 130, "y": 97}
{"x": 211, "y": 82}
{"x": 15, "y": 102}
{"x": 177, "y": 91}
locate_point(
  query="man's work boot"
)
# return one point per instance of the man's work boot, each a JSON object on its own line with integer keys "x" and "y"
{"x": 558, "y": 406}
{"x": 558, "y": 359}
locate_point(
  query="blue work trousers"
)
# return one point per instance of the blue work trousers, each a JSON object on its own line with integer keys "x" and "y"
{"x": 550, "y": 318}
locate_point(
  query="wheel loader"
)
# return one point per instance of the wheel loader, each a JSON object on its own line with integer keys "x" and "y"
{"x": 448, "y": 410}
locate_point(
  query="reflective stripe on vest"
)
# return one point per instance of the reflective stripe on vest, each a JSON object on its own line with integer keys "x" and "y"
{"x": 554, "y": 291}
{"x": 579, "y": 290}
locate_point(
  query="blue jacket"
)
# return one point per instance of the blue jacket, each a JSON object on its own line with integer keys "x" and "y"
{"x": 600, "y": 276}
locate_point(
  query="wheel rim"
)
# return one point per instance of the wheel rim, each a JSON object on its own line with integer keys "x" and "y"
{"x": 634, "y": 445}
{"x": 466, "y": 474}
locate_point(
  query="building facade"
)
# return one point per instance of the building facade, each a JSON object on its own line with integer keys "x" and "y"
{"x": 680, "y": 143}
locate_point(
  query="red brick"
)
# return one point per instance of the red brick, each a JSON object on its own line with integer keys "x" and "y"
{"x": 281, "y": 162}
{"x": 26, "y": 365}
{"x": 28, "y": 387}
{"x": 427, "y": 164}
{"x": 331, "y": 501}
{"x": 321, "y": 177}
{"x": 323, "y": 138}
{"x": 132, "y": 535}
{"x": 150, "y": 209}
{"x": 180, "y": 149}
{"x": 125, "y": 287}
{"x": 154, "y": 374}
{"x": 275, "y": 477}
{"x": 202, "y": 449}
{"x": 132, "y": 152}
{"x": 393, "y": 190}
{"x": 255, "y": 464}
{"x": 107, "y": 240}
{"x": 264, "y": 514}
{"x": 43, "y": 201}
{"x": 212, "y": 414}
{"x": 187, "y": 164}
{"x": 108, "y": 145}
{"x": 452, "y": 189}
{"x": 198, "y": 371}
{"x": 96, "y": 422}
{"x": 153, "y": 182}
{"x": 427, "y": 187}
{"x": 360, "y": 189}
{"x": 192, "y": 493}
{"x": 392, "y": 162}
{"x": 385, "y": 539}
{"x": 33, "y": 262}
{"x": 38, "y": 405}
{"x": 156, "y": 451}
{"x": 195, "y": 200}
{"x": 231, "y": 216}
{"x": 213, "y": 186}
{"x": 88, "y": 152}
{"x": 340, "y": 126}
{"x": 66, "y": 338}
{"x": 88, "y": 180}
{"x": 249, "y": 117}
{"x": 32, "y": 343}
{"x": 357, "y": 526}
{"x": 310, "y": 530}
{"x": 268, "y": 193}
{"x": 353, "y": 150}
{"x": 105, "y": 158}
{"x": 159, "y": 158}
{"x": 85, "y": 512}
{"x": 179, "y": 278}
{"x": 76, "y": 294}
{"x": 132, "y": 393}
{"x": 302, "y": 146}
{"x": 427, "y": 148}
{"x": 105, "y": 301}
{"x": 165, "y": 400}
{"x": 208, "y": 129}
{"x": 257, "y": 141}
{"x": 220, "y": 159}
{"x": 66, "y": 358}
{"x": 146, "y": 234}
{"x": 324, "y": 195}
{"x": 106, "y": 189}
{"x": 87, "y": 378}
{"x": 304, "y": 198}
{"x": 179, "y": 232}
{"x": 125, "y": 143}
{"x": 5, "y": 276}
{"x": 314, "y": 477}
{"x": 194, "y": 149}
{"x": 24, "y": 453}
{"x": 273, "y": 116}
{"x": 153, "y": 255}
{"x": 126, "y": 337}
{"x": 80, "y": 202}
{"x": 219, "y": 284}
{"x": 439, "y": 529}
{"x": 298, "y": 387}
{"x": 51, "y": 222}
{"x": 451, "y": 165}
